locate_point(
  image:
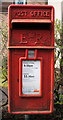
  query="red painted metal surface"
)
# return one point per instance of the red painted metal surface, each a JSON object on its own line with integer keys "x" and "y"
{"x": 30, "y": 28}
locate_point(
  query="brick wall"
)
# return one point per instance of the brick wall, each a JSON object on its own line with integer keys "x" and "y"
{"x": 4, "y": 5}
{"x": 35, "y": 2}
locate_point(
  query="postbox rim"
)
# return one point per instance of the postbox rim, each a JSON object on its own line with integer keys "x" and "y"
{"x": 30, "y": 21}
{"x": 19, "y": 5}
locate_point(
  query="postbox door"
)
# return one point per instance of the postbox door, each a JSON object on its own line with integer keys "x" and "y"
{"x": 28, "y": 101}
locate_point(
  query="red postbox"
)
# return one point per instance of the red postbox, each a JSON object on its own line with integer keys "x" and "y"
{"x": 31, "y": 59}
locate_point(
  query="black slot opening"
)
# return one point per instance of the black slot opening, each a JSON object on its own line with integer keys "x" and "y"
{"x": 31, "y": 26}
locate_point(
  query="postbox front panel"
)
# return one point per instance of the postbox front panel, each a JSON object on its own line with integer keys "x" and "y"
{"x": 27, "y": 101}
{"x": 31, "y": 35}
{"x": 31, "y": 59}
